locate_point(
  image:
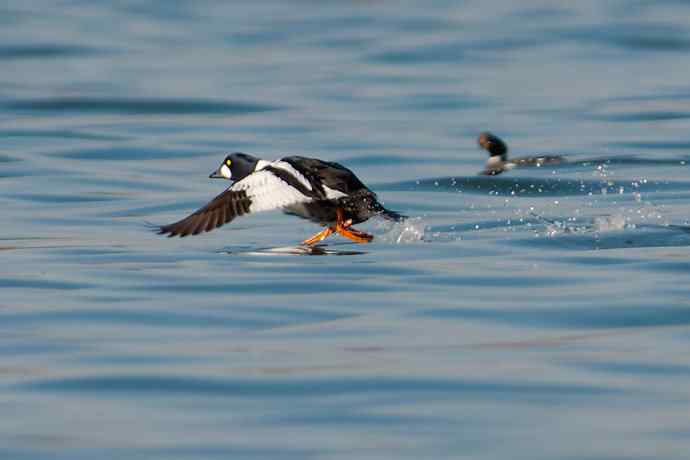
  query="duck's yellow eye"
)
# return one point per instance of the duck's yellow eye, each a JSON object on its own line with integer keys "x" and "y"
{"x": 228, "y": 162}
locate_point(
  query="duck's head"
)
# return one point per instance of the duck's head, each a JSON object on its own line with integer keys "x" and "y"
{"x": 235, "y": 166}
{"x": 498, "y": 154}
{"x": 497, "y": 149}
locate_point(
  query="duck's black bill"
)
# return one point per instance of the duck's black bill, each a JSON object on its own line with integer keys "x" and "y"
{"x": 216, "y": 174}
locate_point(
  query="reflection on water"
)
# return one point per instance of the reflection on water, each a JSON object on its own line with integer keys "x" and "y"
{"x": 548, "y": 300}
{"x": 318, "y": 250}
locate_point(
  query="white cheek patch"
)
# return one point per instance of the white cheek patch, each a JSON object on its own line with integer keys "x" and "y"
{"x": 333, "y": 194}
{"x": 225, "y": 171}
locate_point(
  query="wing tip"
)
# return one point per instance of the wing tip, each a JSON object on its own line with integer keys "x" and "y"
{"x": 159, "y": 229}
{"x": 166, "y": 230}
{"x": 218, "y": 212}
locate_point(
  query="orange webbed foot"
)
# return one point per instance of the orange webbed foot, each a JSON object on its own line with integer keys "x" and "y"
{"x": 354, "y": 235}
{"x": 322, "y": 235}
{"x": 344, "y": 227}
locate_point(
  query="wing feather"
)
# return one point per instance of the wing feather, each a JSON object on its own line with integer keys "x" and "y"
{"x": 220, "y": 210}
{"x": 260, "y": 191}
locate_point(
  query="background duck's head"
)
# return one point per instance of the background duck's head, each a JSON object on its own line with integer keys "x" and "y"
{"x": 235, "y": 166}
{"x": 497, "y": 149}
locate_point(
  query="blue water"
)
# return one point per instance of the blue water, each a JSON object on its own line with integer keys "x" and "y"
{"x": 540, "y": 314}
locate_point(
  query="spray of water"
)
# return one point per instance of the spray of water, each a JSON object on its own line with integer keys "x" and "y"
{"x": 410, "y": 230}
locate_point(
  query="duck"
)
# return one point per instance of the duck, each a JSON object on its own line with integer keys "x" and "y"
{"x": 498, "y": 161}
{"x": 324, "y": 192}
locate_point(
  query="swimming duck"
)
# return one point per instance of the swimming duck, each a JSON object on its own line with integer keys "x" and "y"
{"x": 321, "y": 191}
{"x": 498, "y": 161}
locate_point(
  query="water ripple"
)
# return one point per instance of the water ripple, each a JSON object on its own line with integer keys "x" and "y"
{"x": 605, "y": 316}
{"x": 450, "y": 52}
{"x": 632, "y": 36}
{"x": 132, "y": 153}
{"x": 19, "y": 283}
{"x": 60, "y": 198}
{"x": 650, "y": 115}
{"x": 156, "y": 385}
{"x": 140, "y": 106}
{"x": 7, "y": 159}
{"x": 57, "y": 449}
{"x": 46, "y": 51}
{"x": 532, "y": 186}
{"x": 60, "y": 134}
{"x": 655, "y": 145}
{"x": 151, "y": 318}
{"x": 638, "y": 369}
{"x": 260, "y": 288}
{"x": 436, "y": 102}
{"x": 639, "y": 237}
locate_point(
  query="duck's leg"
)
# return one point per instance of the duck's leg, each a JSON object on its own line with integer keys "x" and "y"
{"x": 355, "y": 235}
{"x": 322, "y": 235}
{"x": 343, "y": 227}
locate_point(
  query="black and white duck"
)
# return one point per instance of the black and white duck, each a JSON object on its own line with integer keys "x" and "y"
{"x": 498, "y": 161}
{"x": 323, "y": 192}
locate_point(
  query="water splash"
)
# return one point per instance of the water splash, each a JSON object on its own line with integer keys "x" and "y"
{"x": 611, "y": 223}
{"x": 578, "y": 225}
{"x": 410, "y": 230}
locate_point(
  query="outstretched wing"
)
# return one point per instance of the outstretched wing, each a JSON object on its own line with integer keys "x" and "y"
{"x": 221, "y": 210}
{"x": 260, "y": 191}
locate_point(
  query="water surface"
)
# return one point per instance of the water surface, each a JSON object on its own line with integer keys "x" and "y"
{"x": 539, "y": 314}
